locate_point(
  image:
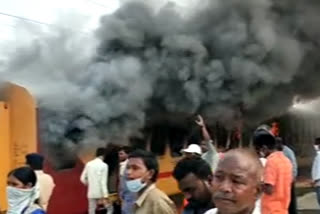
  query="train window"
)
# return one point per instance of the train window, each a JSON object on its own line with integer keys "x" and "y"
{"x": 177, "y": 139}
{"x": 159, "y": 140}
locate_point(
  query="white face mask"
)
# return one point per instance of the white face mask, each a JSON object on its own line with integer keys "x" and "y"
{"x": 135, "y": 185}
{"x": 19, "y": 199}
{"x": 316, "y": 147}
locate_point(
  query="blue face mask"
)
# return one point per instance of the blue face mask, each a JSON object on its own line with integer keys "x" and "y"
{"x": 135, "y": 185}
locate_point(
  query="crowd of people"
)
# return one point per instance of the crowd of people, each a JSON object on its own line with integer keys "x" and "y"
{"x": 121, "y": 180}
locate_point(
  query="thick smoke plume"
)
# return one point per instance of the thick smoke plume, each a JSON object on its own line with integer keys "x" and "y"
{"x": 231, "y": 60}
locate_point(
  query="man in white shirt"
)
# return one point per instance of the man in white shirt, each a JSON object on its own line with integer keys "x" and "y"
{"x": 316, "y": 169}
{"x": 95, "y": 176}
{"x": 45, "y": 182}
{"x": 236, "y": 183}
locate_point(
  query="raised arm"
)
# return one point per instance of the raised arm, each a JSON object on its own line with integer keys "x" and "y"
{"x": 205, "y": 133}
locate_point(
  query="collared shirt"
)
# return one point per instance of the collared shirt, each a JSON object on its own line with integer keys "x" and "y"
{"x": 292, "y": 157}
{"x": 95, "y": 176}
{"x": 122, "y": 167}
{"x": 211, "y": 156}
{"x": 316, "y": 169}
{"x": 154, "y": 201}
{"x": 46, "y": 186}
{"x": 215, "y": 211}
{"x": 278, "y": 174}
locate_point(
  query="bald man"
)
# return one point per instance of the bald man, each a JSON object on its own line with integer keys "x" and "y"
{"x": 237, "y": 183}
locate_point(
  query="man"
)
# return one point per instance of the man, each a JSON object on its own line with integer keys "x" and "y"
{"x": 277, "y": 173}
{"x": 123, "y": 158}
{"x": 289, "y": 153}
{"x": 194, "y": 177}
{"x": 142, "y": 172}
{"x": 44, "y": 181}
{"x": 127, "y": 198}
{"x": 207, "y": 150}
{"x": 236, "y": 184}
{"x": 95, "y": 176}
{"x": 192, "y": 151}
{"x": 316, "y": 169}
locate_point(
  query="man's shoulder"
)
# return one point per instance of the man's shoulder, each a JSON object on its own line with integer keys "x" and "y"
{"x": 157, "y": 194}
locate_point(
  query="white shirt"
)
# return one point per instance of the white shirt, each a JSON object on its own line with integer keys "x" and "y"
{"x": 46, "y": 186}
{"x": 123, "y": 166}
{"x": 215, "y": 211}
{"x": 211, "y": 156}
{"x": 95, "y": 176}
{"x": 316, "y": 169}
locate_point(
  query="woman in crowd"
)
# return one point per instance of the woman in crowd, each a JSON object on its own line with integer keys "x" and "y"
{"x": 22, "y": 192}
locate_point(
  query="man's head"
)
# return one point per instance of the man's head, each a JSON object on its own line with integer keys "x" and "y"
{"x": 317, "y": 144}
{"x": 237, "y": 182}
{"x": 194, "y": 178}
{"x": 264, "y": 141}
{"x": 123, "y": 153}
{"x": 192, "y": 151}
{"x": 100, "y": 152}
{"x": 142, "y": 165}
{"x": 204, "y": 146}
{"x": 279, "y": 144}
{"x": 35, "y": 161}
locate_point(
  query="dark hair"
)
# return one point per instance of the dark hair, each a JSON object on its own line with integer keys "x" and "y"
{"x": 126, "y": 149}
{"x": 100, "y": 152}
{"x": 149, "y": 160}
{"x": 196, "y": 166}
{"x": 264, "y": 138}
{"x": 24, "y": 174}
{"x": 279, "y": 144}
{"x": 35, "y": 161}
{"x": 317, "y": 141}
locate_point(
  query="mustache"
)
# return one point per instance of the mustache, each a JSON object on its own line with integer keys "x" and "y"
{"x": 223, "y": 196}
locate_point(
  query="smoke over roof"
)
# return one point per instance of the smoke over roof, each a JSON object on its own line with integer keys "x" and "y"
{"x": 229, "y": 60}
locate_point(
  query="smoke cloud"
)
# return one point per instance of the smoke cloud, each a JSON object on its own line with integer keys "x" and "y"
{"x": 229, "y": 60}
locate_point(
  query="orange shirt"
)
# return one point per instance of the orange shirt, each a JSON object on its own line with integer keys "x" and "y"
{"x": 278, "y": 173}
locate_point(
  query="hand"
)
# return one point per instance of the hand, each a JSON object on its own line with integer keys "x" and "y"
{"x": 103, "y": 201}
{"x": 200, "y": 121}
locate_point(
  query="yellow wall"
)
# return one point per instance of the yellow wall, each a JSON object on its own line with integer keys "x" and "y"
{"x": 4, "y": 152}
{"x": 18, "y": 131}
{"x": 23, "y": 124}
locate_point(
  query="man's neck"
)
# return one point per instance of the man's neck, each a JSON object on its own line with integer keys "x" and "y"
{"x": 144, "y": 189}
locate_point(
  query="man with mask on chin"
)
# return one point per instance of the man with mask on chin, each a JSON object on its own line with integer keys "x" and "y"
{"x": 194, "y": 176}
{"x": 236, "y": 185}
{"x": 142, "y": 172}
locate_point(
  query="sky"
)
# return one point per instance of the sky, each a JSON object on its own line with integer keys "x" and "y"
{"x": 47, "y": 11}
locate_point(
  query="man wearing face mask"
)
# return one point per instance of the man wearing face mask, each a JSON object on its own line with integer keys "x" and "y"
{"x": 194, "y": 177}
{"x": 142, "y": 172}
{"x": 316, "y": 169}
{"x": 21, "y": 192}
{"x": 236, "y": 184}
{"x": 278, "y": 174}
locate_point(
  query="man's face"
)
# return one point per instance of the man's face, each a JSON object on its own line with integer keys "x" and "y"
{"x": 204, "y": 146}
{"x": 136, "y": 169}
{"x": 122, "y": 155}
{"x": 14, "y": 182}
{"x": 235, "y": 186}
{"x": 195, "y": 190}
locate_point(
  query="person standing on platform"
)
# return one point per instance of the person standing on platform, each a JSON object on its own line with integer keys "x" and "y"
{"x": 95, "y": 176}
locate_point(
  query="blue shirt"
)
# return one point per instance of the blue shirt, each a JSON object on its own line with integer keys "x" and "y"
{"x": 292, "y": 157}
